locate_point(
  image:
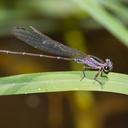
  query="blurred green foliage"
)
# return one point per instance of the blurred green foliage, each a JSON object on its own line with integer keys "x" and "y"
{"x": 111, "y": 14}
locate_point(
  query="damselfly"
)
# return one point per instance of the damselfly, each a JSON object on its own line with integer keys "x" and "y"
{"x": 40, "y": 41}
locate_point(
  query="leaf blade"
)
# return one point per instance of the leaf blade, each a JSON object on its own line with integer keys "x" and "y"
{"x": 61, "y": 81}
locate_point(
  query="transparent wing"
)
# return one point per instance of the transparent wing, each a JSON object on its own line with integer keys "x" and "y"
{"x": 40, "y": 41}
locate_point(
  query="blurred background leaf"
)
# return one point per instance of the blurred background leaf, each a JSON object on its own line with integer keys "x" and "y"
{"x": 109, "y": 21}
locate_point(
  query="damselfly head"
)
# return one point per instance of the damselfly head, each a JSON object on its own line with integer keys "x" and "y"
{"x": 108, "y": 66}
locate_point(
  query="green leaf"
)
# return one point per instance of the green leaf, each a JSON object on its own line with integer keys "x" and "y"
{"x": 62, "y": 81}
{"x": 101, "y": 15}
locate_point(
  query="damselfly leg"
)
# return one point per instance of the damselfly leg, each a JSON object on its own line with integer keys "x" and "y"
{"x": 83, "y": 71}
{"x": 99, "y": 73}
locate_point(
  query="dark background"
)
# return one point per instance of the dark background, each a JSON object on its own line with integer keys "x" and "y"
{"x": 65, "y": 23}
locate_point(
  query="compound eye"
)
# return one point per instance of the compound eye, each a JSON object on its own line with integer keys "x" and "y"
{"x": 106, "y": 68}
